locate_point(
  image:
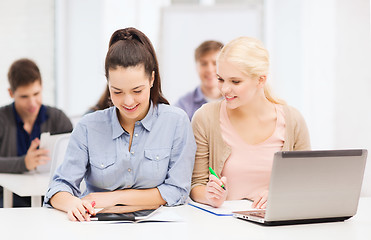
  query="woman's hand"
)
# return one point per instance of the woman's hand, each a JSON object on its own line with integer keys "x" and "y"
{"x": 260, "y": 201}
{"x": 80, "y": 210}
{"x": 214, "y": 193}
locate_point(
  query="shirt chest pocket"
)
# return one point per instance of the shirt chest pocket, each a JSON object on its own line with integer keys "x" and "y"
{"x": 103, "y": 170}
{"x": 157, "y": 162}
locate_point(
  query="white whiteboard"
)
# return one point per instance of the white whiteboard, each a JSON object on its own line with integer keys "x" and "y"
{"x": 183, "y": 28}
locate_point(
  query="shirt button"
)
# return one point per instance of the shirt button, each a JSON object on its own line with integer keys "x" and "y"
{"x": 136, "y": 134}
{"x": 129, "y": 169}
{"x": 157, "y": 157}
{"x": 102, "y": 165}
{"x": 138, "y": 123}
{"x": 132, "y": 152}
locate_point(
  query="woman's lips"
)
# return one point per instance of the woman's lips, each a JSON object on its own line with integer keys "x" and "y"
{"x": 130, "y": 109}
{"x": 229, "y": 98}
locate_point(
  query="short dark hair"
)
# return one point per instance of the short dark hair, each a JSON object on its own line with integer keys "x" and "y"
{"x": 130, "y": 47}
{"x": 207, "y": 47}
{"x": 22, "y": 73}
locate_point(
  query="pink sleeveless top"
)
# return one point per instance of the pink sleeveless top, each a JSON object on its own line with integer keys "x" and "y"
{"x": 249, "y": 167}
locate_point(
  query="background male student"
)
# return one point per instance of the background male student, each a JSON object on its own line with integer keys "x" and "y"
{"x": 205, "y": 56}
{"x": 22, "y": 122}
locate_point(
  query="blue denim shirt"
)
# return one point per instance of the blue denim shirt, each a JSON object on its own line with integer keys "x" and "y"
{"x": 162, "y": 155}
{"x": 191, "y": 101}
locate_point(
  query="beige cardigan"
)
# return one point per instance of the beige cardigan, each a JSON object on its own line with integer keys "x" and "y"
{"x": 212, "y": 151}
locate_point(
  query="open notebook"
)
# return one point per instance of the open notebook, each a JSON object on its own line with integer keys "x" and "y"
{"x": 226, "y": 209}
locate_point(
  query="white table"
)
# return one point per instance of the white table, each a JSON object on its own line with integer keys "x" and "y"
{"x": 42, "y": 223}
{"x": 27, "y": 184}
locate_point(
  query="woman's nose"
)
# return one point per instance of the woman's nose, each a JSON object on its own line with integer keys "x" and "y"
{"x": 128, "y": 100}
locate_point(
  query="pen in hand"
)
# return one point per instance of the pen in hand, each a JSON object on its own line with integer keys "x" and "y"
{"x": 93, "y": 205}
{"x": 213, "y": 173}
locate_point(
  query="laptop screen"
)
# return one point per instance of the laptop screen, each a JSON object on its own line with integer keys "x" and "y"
{"x": 315, "y": 184}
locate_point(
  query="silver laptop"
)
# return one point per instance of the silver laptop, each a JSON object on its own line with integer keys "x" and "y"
{"x": 312, "y": 187}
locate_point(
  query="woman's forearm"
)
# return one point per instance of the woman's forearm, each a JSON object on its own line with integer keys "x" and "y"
{"x": 198, "y": 194}
{"x": 61, "y": 200}
{"x": 150, "y": 196}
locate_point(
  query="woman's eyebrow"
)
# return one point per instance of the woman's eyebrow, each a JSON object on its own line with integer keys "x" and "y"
{"x": 119, "y": 89}
{"x": 115, "y": 88}
{"x": 235, "y": 78}
{"x": 138, "y": 87}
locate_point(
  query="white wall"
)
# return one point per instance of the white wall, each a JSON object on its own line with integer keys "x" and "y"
{"x": 183, "y": 28}
{"x": 300, "y": 38}
{"x": 352, "y": 118}
{"x": 320, "y": 52}
{"x": 80, "y": 59}
{"x": 27, "y": 30}
{"x": 85, "y": 27}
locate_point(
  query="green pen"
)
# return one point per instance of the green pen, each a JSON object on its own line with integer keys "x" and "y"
{"x": 213, "y": 173}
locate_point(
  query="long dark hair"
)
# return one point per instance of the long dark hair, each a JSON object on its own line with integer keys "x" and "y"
{"x": 103, "y": 102}
{"x": 130, "y": 47}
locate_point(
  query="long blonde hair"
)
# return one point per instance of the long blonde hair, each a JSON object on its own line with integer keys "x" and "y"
{"x": 251, "y": 58}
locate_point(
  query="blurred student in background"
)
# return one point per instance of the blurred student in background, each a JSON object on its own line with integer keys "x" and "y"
{"x": 138, "y": 152}
{"x": 23, "y": 121}
{"x": 207, "y": 91}
{"x": 239, "y": 135}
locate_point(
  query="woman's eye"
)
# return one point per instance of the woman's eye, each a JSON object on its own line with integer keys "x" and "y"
{"x": 220, "y": 79}
{"x": 138, "y": 91}
{"x": 116, "y": 93}
{"x": 236, "y": 82}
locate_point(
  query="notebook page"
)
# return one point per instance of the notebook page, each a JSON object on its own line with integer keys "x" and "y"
{"x": 226, "y": 209}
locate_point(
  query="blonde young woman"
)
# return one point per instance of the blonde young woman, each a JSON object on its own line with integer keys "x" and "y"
{"x": 239, "y": 135}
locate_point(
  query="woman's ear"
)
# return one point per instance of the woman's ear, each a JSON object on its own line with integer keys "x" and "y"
{"x": 152, "y": 79}
{"x": 262, "y": 80}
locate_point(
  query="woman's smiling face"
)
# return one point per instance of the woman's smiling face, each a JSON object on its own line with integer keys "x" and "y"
{"x": 130, "y": 91}
{"x": 237, "y": 88}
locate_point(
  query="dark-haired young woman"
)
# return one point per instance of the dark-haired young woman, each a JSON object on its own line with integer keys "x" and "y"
{"x": 139, "y": 152}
